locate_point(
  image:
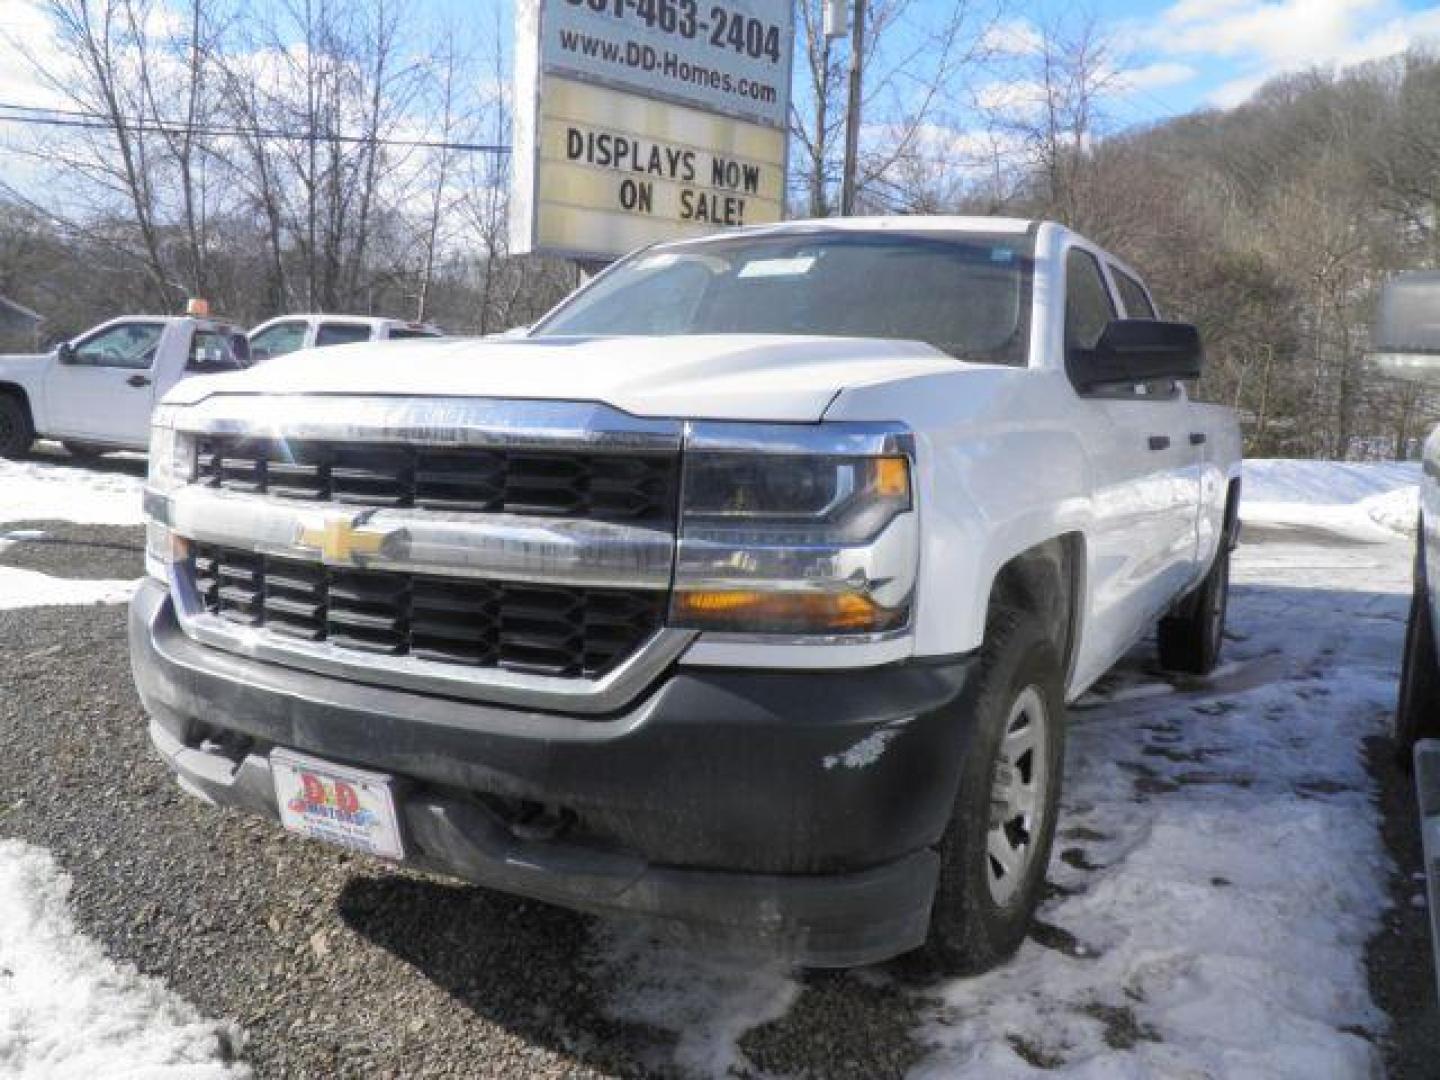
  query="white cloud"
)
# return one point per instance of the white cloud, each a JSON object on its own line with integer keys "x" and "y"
{"x": 1011, "y": 37}
{"x": 1154, "y": 76}
{"x": 1264, "y": 40}
{"x": 23, "y": 26}
{"x": 1011, "y": 97}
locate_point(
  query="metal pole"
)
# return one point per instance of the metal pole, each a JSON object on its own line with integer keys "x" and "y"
{"x": 852, "y": 111}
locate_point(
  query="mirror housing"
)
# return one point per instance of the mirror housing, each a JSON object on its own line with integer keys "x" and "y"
{"x": 65, "y": 353}
{"x": 1405, "y": 337}
{"x": 1136, "y": 351}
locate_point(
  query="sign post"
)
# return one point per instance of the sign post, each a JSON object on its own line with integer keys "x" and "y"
{"x": 638, "y": 121}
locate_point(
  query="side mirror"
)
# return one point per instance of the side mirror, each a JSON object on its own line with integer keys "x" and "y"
{"x": 1405, "y": 339}
{"x": 65, "y": 353}
{"x": 1137, "y": 350}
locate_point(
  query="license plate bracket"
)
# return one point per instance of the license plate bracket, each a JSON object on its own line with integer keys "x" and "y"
{"x": 337, "y": 804}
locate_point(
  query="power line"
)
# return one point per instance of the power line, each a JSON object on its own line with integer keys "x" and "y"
{"x": 38, "y": 116}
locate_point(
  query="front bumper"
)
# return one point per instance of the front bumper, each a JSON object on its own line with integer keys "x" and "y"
{"x": 794, "y": 813}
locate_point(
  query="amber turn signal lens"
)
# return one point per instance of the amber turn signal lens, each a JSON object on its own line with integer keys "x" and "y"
{"x": 892, "y": 477}
{"x": 783, "y": 612}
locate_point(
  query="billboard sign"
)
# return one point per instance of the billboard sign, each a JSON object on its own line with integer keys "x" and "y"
{"x": 645, "y": 120}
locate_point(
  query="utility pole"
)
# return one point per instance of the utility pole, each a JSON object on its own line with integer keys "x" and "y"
{"x": 852, "y": 111}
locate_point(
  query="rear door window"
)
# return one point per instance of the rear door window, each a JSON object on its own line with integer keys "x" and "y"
{"x": 1133, "y": 295}
{"x": 334, "y": 333}
{"x": 211, "y": 352}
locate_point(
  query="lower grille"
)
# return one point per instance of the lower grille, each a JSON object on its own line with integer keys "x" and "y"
{"x": 537, "y": 629}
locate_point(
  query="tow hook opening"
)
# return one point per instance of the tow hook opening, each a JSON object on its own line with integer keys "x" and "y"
{"x": 533, "y": 821}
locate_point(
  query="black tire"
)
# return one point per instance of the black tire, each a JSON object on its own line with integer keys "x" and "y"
{"x": 1417, "y": 712}
{"x": 1191, "y": 641}
{"x": 974, "y": 924}
{"x": 83, "y": 451}
{"x": 16, "y": 434}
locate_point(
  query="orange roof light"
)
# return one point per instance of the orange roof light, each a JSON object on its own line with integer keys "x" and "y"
{"x": 197, "y": 308}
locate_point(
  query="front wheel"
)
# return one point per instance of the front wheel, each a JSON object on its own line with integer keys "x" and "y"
{"x": 995, "y": 851}
{"x": 16, "y": 435}
{"x": 1417, "y": 713}
{"x": 1191, "y": 641}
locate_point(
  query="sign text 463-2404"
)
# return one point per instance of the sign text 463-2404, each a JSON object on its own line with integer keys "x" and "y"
{"x": 723, "y": 28}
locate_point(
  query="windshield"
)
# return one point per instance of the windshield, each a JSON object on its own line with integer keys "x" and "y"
{"x": 966, "y": 294}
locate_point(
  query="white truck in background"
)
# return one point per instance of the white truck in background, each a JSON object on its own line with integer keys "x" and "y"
{"x": 291, "y": 333}
{"x": 1405, "y": 345}
{"x": 745, "y": 592}
{"x": 95, "y": 392}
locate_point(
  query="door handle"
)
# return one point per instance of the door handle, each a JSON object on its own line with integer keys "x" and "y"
{"x": 1159, "y": 442}
{"x": 138, "y": 381}
{"x": 1197, "y": 438}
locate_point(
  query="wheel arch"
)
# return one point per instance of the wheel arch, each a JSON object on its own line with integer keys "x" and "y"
{"x": 1047, "y": 580}
{"x": 15, "y": 390}
{"x": 20, "y": 394}
{"x": 1231, "y": 527}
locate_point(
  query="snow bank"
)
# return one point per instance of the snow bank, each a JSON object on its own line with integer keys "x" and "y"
{"x": 1396, "y": 510}
{"x": 1364, "y": 500}
{"x": 1324, "y": 483}
{"x": 68, "y": 1011}
{"x": 39, "y": 491}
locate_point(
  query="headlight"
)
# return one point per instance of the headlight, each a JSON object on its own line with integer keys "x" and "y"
{"x": 172, "y": 465}
{"x": 795, "y": 543}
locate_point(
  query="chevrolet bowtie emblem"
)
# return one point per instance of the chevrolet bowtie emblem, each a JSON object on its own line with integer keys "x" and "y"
{"x": 340, "y": 539}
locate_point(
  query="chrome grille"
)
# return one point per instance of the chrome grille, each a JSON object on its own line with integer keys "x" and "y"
{"x": 629, "y": 486}
{"x": 538, "y": 629}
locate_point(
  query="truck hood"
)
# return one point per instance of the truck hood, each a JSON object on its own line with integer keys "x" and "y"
{"x": 719, "y": 377}
{"x": 21, "y": 361}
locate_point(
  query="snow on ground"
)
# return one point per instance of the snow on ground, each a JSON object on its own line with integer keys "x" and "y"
{"x": 1354, "y": 497}
{"x": 30, "y": 588}
{"x": 1323, "y": 483}
{"x": 68, "y": 1012}
{"x": 39, "y": 491}
{"x": 1218, "y": 867}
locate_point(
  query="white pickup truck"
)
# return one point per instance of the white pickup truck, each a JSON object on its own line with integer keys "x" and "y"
{"x": 291, "y": 333}
{"x": 1405, "y": 344}
{"x": 96, "y": 392}
{"x": 744, "y": 593}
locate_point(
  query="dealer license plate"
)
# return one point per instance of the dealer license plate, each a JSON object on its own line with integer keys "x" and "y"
{"x": 337, "y": 804}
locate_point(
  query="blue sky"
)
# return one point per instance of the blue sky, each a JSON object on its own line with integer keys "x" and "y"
{"x": 1181, "y": 54}
{"x": 1189, "y": 54}
{"x": 1217, "y": 52}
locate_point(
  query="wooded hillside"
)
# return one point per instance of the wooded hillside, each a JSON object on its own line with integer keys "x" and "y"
{"x": 345, "y": 157}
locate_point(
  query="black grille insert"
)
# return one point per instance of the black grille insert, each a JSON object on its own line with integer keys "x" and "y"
{"x": 627, "y": 486}
{"x": 539, "y": 629}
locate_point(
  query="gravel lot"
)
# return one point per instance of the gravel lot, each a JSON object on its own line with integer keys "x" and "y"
{"x": 332, "y": 964}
